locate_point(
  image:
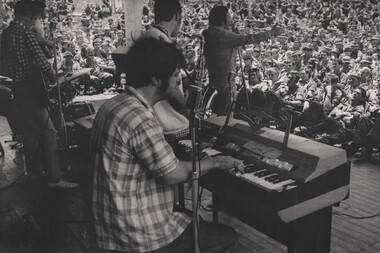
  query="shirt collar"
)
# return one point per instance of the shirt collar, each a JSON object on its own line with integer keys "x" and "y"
{"x": 143, "y": 101}
{"x": 16, "y": 22}
{"x": 163, "y": 30}
{"x": 219, "y": 27}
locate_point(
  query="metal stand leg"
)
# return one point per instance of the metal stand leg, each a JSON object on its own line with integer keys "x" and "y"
{"x": 2, "y": 153}
{"x": 215, "y": 208}
{"x": 181, "y": 197}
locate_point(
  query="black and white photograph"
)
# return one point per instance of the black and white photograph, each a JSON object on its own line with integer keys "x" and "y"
{"x": 189, "y": 126}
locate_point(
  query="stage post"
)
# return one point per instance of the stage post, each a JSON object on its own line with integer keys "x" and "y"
{"x": 133, "y": 18}
{"x": 2, "y": 16}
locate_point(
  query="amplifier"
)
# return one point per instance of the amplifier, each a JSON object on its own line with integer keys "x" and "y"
{"x": 78, "y": 110}
{"x": 83, "y": 129}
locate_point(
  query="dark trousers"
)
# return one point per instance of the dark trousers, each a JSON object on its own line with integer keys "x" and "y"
{"x": 39, "y": 140}
{"x": 312, "y": 116}
{"x": 373, "y": 137}
{"x": 342, "y": 135}
{"x": 225, "y": 91}
{"x": 328, "y": 125}
{"x": 214, "y": 238}
{"x": 362, "y": 131}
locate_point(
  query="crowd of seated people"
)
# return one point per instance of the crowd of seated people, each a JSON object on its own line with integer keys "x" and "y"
{"x": 324, "y": 69}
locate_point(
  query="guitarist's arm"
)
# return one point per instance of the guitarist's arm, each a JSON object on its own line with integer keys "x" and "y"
{"x": 37, "y": 54}
{"x": 40, "y": 38}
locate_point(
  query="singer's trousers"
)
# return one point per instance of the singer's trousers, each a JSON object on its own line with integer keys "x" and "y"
{"x": 224, "y": 94}
{"x": 215, "y": 238}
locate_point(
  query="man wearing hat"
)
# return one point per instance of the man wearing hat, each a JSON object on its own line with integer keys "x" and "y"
{"x": 99, "y": 52}
{"x": 345, "y": 69}
{"x": 297, "y": 60}
{"x": 307, "y": 53}
{"x": 247, "y": 58}
{"x": 75, "y": 58}
{"x": 343, "y": 24}
{"x": 316, "y": 44}
{"x": 374, "y": 42}
{"x": 107, "y": 31}
{"x": 294, "y": 96}
{"x": 120, "y": 40}
{"x": 339, "y": 46}
{"x": 67, "y": 63}
{"x": 100, "y": 78}
{"x": 256, "y": 55}
{"x": 282, "y": 39}
{"x": 356, "y": 53}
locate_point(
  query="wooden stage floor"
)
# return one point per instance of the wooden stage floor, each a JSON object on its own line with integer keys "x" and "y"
{"x": 60, "y": 219}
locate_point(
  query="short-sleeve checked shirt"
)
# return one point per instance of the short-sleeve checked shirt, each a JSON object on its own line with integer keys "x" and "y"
{"x": 133, "y": 210}
{"x": 21, "y": 55}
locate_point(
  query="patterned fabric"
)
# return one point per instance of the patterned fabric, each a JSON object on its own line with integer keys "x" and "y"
{"x": 133, "y": 210}
{"x": 21, "y": 55}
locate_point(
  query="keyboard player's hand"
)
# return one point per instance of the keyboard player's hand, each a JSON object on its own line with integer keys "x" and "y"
{"x": 228, "y": 162}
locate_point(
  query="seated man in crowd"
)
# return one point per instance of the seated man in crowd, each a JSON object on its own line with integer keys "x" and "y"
{"x": 334, "y": 129}
{"x": 100, "y": 79}
{"x": 334, "y": 51}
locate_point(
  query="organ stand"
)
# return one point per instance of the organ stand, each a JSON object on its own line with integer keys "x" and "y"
{"x": 287, "y": 192}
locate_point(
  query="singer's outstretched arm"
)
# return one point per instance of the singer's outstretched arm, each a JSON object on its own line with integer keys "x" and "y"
{"x": 240, "y": 40}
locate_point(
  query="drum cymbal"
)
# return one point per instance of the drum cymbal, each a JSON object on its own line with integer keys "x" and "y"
{"x": 68, "y": 78}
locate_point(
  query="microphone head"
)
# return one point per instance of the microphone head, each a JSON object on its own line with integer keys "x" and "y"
{"x": 231, "y": 76}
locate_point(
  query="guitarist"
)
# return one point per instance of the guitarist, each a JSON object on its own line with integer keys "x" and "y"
{"x": 23, "y": 60}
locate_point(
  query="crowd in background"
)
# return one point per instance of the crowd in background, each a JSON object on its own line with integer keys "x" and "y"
{"x": 324, "y": 68}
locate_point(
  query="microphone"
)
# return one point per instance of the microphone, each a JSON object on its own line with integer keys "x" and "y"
{"x": 231, "y": 76}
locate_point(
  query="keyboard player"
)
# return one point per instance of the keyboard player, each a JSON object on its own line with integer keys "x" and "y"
{"x": 135, "y": 169}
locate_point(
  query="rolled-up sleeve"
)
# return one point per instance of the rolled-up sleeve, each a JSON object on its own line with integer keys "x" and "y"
{"x": 152, "y": 150}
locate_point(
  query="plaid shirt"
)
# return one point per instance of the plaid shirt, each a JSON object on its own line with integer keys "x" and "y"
{"x": 21, "y": 54}
{"x": 133, "y": 210}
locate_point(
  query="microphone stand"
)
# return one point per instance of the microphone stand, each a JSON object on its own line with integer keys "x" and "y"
{"x": 245, "y": 86}
{"x": 62, "y": 121}
{"x": 195, "y": 126}
{"x": 230, "y": 111}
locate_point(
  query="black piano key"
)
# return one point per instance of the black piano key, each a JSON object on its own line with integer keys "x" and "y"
{"x": 272, "y": 177}
{"x": 280, "y": 180}
{"x": 251, "y": 168}
{"x": 259, "y": 172}
{"x": 264, "y": 173}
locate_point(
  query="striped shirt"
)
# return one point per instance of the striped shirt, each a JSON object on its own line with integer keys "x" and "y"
{"x": 133, "y": 210}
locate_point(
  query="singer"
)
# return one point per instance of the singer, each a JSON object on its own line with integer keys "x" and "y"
{"x": 23, "y": 60}
{"x": 135, "y": 169}
{"x": 221, "y": 50}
